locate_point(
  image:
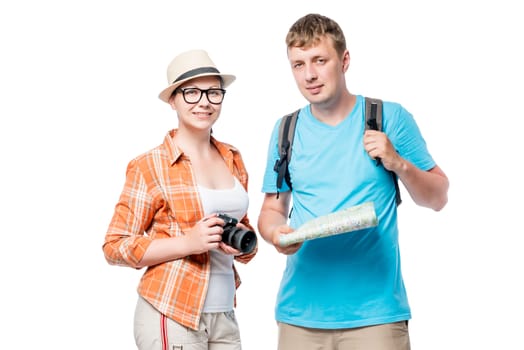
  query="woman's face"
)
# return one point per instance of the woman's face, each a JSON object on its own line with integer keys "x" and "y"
{"x": 198, "y": 102}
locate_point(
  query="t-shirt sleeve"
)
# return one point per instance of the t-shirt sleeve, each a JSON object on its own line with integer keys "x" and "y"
{"x": 269, "y": 184}
{"x": 404, "y": 133}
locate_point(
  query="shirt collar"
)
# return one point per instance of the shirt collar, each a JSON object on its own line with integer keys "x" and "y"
{"x": 175, "y": 152}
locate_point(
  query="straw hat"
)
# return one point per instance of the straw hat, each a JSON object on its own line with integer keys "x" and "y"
{"x": 190, "y": 65}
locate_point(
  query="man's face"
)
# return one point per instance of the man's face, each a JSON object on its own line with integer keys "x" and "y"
{"x": 318, "y": 70}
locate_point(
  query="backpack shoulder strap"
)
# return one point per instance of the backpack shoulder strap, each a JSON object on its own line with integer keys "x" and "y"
{"x": 373, "y": 115}
{"x": 286, "y": 134}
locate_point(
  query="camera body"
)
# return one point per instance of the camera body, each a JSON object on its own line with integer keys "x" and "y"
{"x": 236, "y": 237}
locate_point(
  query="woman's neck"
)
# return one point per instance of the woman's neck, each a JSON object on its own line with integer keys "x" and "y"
{"x": 193, "y": 143}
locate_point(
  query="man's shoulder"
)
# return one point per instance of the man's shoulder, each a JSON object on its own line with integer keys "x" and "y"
{"x": 386, "y": 103}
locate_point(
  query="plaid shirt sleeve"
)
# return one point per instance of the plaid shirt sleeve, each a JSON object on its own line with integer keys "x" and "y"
{"x": 125, "y": 243}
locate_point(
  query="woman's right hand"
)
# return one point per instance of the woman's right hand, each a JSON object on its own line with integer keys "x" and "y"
{"x": 205, "y": 235}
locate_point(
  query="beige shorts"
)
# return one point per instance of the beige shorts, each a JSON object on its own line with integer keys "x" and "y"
{"x": 390, "y": 336}
{"x": 154, "y": 331}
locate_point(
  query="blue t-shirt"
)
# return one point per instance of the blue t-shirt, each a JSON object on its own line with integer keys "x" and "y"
{"x": 353, "y": 279}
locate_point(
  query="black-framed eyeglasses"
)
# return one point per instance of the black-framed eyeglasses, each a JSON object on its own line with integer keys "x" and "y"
{"x": 193, "y": 95}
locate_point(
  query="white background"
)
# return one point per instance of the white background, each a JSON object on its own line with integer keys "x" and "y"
{"x": 79, "y": 84}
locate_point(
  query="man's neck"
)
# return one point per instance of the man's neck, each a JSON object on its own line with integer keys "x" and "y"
{"x": 334, "y": 113}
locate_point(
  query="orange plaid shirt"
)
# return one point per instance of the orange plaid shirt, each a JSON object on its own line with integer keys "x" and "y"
{"x": 160, "y": 199}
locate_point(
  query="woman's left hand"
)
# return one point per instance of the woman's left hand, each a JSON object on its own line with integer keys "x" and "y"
{"x": 227, "y": 249}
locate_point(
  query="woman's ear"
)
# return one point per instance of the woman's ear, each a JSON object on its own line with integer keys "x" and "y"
{"x": 171, "y": 102}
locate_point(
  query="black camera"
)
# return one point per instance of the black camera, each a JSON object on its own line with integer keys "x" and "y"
{"x": 240, "y": 239}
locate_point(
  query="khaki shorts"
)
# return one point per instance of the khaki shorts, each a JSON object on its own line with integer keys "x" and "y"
{"x": 390, "y": 336}
{"x": 154, "y": 331}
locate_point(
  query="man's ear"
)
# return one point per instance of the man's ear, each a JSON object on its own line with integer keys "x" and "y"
{"x": 345, "y": 61}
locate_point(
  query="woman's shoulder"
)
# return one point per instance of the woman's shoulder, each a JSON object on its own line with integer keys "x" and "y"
{"x": 223, "y": 146}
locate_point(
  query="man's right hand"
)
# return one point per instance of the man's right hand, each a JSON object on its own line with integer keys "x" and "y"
{"x": 289, "y": 249}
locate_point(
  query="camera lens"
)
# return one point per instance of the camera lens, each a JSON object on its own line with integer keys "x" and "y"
{"x": 240, "y": 239}
{"x": 243, "y": 240}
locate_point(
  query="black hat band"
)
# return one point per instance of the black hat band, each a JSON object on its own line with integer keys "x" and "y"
{"x": 196, "y": 71}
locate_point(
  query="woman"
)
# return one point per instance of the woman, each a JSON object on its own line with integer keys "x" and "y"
{"x": 167, "y": 219}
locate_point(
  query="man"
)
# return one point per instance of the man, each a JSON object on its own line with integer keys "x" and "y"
{"x": 345, "y": 291}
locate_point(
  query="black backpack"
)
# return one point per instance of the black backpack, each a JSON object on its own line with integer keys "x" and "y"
{"x": 373, "y": 115}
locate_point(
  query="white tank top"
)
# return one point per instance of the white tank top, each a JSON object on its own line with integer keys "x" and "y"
{"x": 233, "y": 202}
